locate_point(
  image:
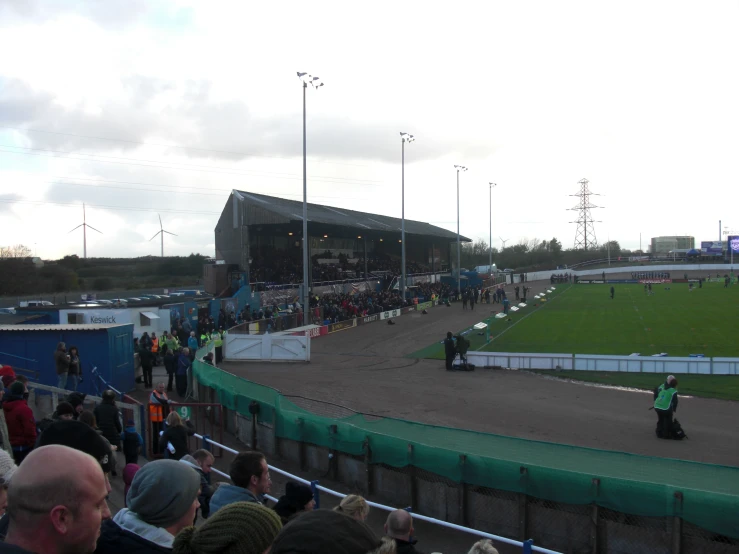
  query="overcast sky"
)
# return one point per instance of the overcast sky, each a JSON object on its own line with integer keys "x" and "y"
{"x": 138, "y": 108}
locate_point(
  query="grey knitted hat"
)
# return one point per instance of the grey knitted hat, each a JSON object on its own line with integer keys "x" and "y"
{"x": 162, "y": 491}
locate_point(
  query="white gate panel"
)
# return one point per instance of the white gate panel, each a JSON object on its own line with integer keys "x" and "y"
{"x": 266, "y": 347}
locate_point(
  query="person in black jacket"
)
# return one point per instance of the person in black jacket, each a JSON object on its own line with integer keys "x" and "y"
{"x": 450, "y": 350}
{"x": 175, "y": 434}
{"x": 108, "y": 419}
{"x": 147, "y": 364}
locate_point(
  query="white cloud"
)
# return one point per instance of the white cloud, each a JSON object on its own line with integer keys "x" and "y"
{"x": 639, "y": 98}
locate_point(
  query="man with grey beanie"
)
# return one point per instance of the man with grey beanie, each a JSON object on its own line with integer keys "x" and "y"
{"x": 162, "y": 501}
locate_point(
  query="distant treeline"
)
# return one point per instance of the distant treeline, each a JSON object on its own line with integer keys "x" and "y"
{"x": 22, "y": 277}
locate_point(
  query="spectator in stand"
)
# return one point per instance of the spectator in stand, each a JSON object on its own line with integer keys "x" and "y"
{"x": 4, "y": 436}
{"x": 108, "y": 418}
{"x": 129, "y": 472}
{"x": 159, "y": 406}
{"x": 74, "y": 375}
{"x": 61, "y": 359}
{"x": 170, "y": 364}
{"x": 147, "y": 364}
{"x": 239, "y": 528}
{"x": 322, "y": 531}
{"x": 182, "y": 335}
{"x": 56, "y": 503}
{"x": 399, "y": 526}
{"x": 484, "y": 546}
{"x": 64, "y": 411}
{"x": 251, "y": 481}
{"x": 162, "y": 501}
{"x": 202, "y": 462}
{"x": 7, "y": 470}
{"x": 192, "y": 344}
{"x": 173, "y": 442}
{"x": 183, "y": 366}
{"x": 298, "y": 498}
{"x": 132, "y": 443}
{"x": 20, "y": 421}
{"x": 354, "y": 506}
{"x": 77, "y": 400}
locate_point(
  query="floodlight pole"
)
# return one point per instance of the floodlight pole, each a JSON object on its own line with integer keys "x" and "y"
{"x": 315, "y": 82}
{"x": 404, "y": 137}
{"x": 306, "y": 294}
{"x": 459, "y": 252}
{"x": 490, "y": 244}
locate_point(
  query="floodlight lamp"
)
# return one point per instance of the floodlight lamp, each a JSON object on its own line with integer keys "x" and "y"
{"x": 325, "y": 236}
{"x": 359, "y": 236}
{"x": 406, "y": 137}
{"x": 460, "y": 168}
{"x": 493, "y": 184}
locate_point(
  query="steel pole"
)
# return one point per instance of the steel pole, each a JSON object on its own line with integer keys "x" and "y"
{"x": 402, "y": 215}
{"x": 306, "y": 294}
{"x": 490, "y": 244}
{"x": 459, "y": 254}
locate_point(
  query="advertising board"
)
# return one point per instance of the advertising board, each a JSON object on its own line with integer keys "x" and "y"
{"x": 368, "y": 319}
{"x": 389, "y": 314}
{"x": 424, "y": 305}
{"x": 342, "y": 325}
{"x": 734, "y": 244}
{"x": 712, "y": 248}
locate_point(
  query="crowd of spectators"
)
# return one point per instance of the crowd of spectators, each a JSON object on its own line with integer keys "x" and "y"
{"x": 280, "y": 267}
{"x": 56, "y": 502}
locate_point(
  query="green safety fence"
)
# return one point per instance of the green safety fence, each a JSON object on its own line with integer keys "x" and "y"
{"x": 629, "y": 483}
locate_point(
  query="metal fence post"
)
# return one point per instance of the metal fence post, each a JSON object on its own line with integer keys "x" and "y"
{"x": 594, "y": 516}
{"x": 368, "y": 465}
{"x": 144, "y": 429}
{"x": 523, "y": 501}
{"x": 527, "y": 546}
{"x": 413, "y": 485}
{"x": 206, "y": 443}
{"x": 677, "y": 524}
{"x": 316, "y": 494}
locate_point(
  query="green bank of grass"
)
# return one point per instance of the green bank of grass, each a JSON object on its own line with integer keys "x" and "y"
{"x": 724, "y": 387}
{"x": 498, "y": 327}
{"x": 584, "y": 320}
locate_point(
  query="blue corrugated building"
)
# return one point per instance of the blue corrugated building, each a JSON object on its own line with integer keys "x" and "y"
{"x": 107, "y": 347}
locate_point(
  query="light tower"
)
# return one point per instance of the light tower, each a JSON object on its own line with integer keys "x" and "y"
{"x": 585, "y": 234}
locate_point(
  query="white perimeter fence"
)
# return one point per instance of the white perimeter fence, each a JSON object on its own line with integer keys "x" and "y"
{"x": 527, "y": 546}
{"x": 592, "y": 362}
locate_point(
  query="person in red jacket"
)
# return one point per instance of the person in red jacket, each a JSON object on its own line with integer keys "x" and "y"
{"x": 21, "y": 425}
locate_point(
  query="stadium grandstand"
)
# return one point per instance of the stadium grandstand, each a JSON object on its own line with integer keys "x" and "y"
{"x": 262, "y": 235}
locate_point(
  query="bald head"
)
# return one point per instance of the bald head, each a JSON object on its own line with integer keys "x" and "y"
{"x": 57, "y": 500}
{"x": 399, "y": 525}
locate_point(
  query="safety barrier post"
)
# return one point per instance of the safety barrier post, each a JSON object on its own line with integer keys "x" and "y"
{"x": 523, "y": 501}
{"x": 144, "y": 428}
{"x": 206, "y": 442}
{"x": 527, "y": 546}
{"x": 368, "y": 466}
{"x": 677, "y": 525}
{"x": 316, "y": 494}
{"x": 413, "y": 485}
{"x": 463, "y": 491}
{"x": 594, "y": 517}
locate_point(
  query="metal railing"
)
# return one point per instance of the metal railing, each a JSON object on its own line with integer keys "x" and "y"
{"x": 527, "y": 546}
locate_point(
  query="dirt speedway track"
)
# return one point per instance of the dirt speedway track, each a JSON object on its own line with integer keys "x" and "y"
{"x": 365, "y": 369}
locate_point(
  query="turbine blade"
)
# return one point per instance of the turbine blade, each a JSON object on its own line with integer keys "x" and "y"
{"x": 160, "y": 221}
{"x": 170, "y": 233}
{"x": 78, "y": 226}
{"x": 93, "y": 228}
{"x": 155, "y": 236}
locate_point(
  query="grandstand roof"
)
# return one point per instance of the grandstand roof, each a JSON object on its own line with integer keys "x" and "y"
{"x": 327, "y": 215}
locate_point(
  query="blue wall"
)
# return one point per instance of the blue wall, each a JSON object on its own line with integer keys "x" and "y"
{"x": 110, "y": 349}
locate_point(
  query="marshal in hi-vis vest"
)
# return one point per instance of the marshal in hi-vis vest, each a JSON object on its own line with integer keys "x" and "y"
{"x": 664, "y": 398}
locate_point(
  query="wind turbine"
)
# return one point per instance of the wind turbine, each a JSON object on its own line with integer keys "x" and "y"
{"x": 161, "y": 233}
{"x": 84, "y": 226}
{"x": 503, "y": 241}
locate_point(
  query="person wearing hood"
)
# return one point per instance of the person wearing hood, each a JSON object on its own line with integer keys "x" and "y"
{"x": 62, "y": 360}
{"x": 323, "y": 531}
{"x": 202, "y": 461}
{"x": 129, "y": 472}
{"x": 183, "y": 366}
{"x": 162, "y": 501}
{"x": 132, "y": 443}
{"x": 108, "y": 419}
{"x": 64, "y": 411}
{"x": 20, "y": 421}
{"x": 297, "y": 498}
